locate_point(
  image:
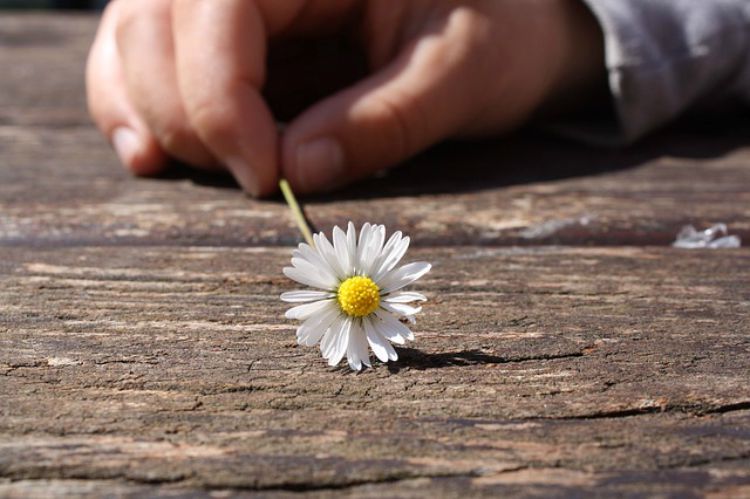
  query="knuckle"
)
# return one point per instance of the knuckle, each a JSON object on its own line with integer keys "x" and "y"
{"x": 131, "y": 16}
{"x": 173, "y": 136}
{"x": 125, "y": 24}
{"x": 209, "y": 120}
{"x": 400, "y": 117}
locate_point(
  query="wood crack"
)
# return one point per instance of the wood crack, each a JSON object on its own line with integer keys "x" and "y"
{"x": 190, "y": 480}
{"x": 699, "y": 462}
{"x": 723, "y": 409}
{"x": 319, "y": 487}
{"x": 692, "y": 409}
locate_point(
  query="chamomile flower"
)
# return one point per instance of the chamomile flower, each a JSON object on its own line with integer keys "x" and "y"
{"x": 359, "y": 297}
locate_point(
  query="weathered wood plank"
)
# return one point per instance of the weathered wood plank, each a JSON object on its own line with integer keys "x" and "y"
{"x": 43, "y": 59}
{"x": 63, "y": 187}
{"x": 143, "y": 350}
{"x": 552, "y": 371}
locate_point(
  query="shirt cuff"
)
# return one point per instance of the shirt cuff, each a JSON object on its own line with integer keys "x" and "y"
{"x": 664, "y": 57}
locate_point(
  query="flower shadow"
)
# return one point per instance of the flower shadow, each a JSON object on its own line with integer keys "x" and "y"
{"x": 412, "y": 358}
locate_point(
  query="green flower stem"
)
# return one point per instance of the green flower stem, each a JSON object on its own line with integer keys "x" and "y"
{"x": 297, "y": 214}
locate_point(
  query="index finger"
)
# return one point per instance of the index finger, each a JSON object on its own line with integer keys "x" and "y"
{"x": 220, "y": 49}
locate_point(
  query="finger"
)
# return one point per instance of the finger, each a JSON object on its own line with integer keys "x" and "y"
{"x": 410, "y": 104}
{"x": 152, "y": 81}
{"x": 110, "y": 107}
{"x": 221, "y": 48}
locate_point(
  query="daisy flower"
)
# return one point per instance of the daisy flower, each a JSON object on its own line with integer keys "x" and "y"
{"x": 359, "y": 298}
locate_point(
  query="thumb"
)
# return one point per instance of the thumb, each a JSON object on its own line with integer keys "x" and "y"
{"x": 410, "y": 104}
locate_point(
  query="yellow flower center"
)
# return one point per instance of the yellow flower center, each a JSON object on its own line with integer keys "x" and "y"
{"x": 359, "y": 296}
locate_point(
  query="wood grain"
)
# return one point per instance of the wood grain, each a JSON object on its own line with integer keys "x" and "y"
{"x": 566, "y": 349}
{"x": 559, "y": 369}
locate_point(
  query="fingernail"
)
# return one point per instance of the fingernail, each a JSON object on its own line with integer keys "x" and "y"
{"x": 127, "y": 145}
{"x": 320, "y": 164}
{"x": 245, "y": 175}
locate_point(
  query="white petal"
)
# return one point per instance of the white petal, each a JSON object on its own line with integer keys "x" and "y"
{"x": 327, "y": 251}
{"x": 403, "y": 276}
{"x": 380, "y": 346}
{"x": 372, "y": 249}
{"x": 352, "y": 359}
{"x": 342, "y": 251}
{"x": 392, "y": 242}
{"x": 364, "y": 351}
{"x": 313, "y": 329}
{"x": 387, "y": 332}
{"x": 304, "y": 277}
{"x": 351, "y": 243}
{"x": 404, "y": 297}
{"x": 342, "y": 344}
{"x": 302, "y": 296}
{"x": 377, "y": 249}
{"x": 357, "y": 353}
{"x": 391, "y": 260}
{"x": 393, "y": 326}
{"x": 364, "y": 238}
{"x": 322, "y": 273}
{"x": 317, "y": 259}
{"x": 401, "y": 309}
{"x": 304, "y": 312}
{"x": 328, "y": 344}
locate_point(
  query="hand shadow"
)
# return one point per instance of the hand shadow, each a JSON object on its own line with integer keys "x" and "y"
{"x": 531, "y": 156}
{"x": 523, "y": 158}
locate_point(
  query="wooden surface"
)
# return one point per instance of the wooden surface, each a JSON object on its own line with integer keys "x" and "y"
{"x": 566, "y": 349}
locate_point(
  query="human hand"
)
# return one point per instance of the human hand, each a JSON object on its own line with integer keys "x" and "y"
{"x": 183, "y": 79}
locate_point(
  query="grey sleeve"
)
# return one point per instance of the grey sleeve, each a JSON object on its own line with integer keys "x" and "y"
{"x": 664, "y": 57}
